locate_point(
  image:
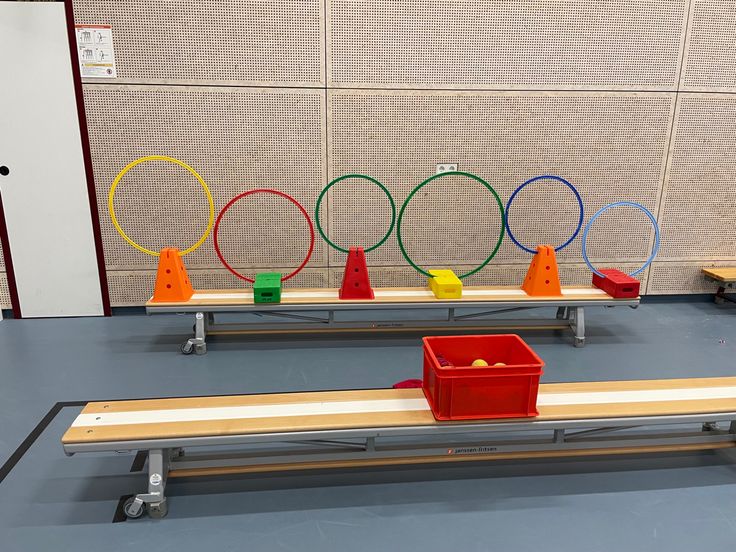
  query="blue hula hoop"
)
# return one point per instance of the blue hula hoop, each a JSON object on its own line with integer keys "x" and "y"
{"x": 611, "y": 206}
{"x": 525, "y": 184}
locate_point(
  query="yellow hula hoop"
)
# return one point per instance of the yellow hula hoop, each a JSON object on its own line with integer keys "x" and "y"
{"x": 111, "y": 198}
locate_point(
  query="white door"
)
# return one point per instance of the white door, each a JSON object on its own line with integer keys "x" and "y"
{"x": 45, "y": 193}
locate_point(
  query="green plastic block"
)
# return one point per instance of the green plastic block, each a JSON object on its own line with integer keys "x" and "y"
{"x": 267, "y": 288}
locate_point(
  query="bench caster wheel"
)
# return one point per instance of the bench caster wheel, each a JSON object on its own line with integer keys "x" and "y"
{"x": 132, "y": 510}
{"x": 187, "y": 348}
{"x": 157, "y": 510}
{"x": 200, "y": 349}
{"x": 579, "y": 342}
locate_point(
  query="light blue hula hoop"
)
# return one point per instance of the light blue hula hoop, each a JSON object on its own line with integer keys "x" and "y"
{"x": 611, "y": 206}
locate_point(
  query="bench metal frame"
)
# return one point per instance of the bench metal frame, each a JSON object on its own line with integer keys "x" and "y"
{"x": 411, "y": 444}
{"x": 725, "y": 290}
{"x": 311, "y": 317}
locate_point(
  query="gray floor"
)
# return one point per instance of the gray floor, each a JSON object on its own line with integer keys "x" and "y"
{"x": 51, "y": 502}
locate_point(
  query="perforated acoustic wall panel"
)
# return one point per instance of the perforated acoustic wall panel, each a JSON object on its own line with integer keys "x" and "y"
{"x": 495, "y": 275}
{"x": 710, "y": 59}
{"x": 4, "y": 291}
{"x": 236, "y": 139}
{"x": 128, "y": 287}
{"x": 697, "y": 215}
{"x": 626, "y": 99}
{"x": 223, "y": 41}
{"x": 684, "y": 277}
{"x": 576, "y": 44}
{"x": 609, "y": 145}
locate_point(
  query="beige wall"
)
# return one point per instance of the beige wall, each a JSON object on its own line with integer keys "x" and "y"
{"x": 627, "y": 99}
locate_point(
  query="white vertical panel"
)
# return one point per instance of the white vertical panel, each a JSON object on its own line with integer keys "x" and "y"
{"x": 45, "y": 195}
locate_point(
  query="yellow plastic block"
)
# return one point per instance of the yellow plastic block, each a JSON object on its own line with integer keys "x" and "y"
{"x": 445, "y": 285}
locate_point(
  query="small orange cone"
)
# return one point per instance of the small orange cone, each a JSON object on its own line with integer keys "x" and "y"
{"x": 172, "y": 281}
{"x": 543, "y": 277}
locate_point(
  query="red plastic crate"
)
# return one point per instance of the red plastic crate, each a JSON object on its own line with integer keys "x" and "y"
{"x": 616, "y": 283}
{"x": 464, "y": 392}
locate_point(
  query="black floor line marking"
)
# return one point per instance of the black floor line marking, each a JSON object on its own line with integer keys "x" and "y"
{"x": 139, "y": 461}
{"x": 119, "y": 512}
{"x": 59, "y": 406}
{"x": 32, "y": 436}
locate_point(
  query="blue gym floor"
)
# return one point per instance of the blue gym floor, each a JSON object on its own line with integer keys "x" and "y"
{"x": 51, "y": 502}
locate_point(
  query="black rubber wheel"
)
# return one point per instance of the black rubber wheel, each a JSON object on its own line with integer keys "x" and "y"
{"x": 128, "y": 505}
{"x": 186, "y": 348}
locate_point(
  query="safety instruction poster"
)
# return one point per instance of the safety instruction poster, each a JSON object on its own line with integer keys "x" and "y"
{"x": 96, "y": 54}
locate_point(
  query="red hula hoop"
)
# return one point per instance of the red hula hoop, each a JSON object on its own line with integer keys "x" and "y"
{"x": 266, "y": 191}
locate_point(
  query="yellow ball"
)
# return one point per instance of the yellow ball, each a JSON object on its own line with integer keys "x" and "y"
{"x": 479, "y": 362}
{"x": 500, "y": 364}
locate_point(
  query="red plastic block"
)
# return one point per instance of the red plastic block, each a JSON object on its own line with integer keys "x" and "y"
{"x": 355, "y": 281}
{"x": 457, "y": 390}
{"x": 616, "y": 283}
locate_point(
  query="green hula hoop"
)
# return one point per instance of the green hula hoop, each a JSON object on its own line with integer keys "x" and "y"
{"x": 364, "y": 177}
{"x": 430, "y": 179}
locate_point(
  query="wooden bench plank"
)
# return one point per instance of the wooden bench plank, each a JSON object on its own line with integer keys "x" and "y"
{"x": 333, "y": 410}
{"x": 721, "y": 274}
{"x": 380, "y": 394}
{"x": 329, "y": 296}
{"x": 250, "y": 400}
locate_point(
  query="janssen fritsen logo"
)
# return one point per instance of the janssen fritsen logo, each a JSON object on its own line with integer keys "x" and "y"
{"x": 471, "y": 450}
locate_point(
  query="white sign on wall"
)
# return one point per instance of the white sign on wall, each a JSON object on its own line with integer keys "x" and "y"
{"x": 96, "y": 54}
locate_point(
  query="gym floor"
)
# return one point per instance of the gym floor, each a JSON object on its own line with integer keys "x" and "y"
{"x": 51, "y": 502}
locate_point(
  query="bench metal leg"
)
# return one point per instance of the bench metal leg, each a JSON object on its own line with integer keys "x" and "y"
{"x": 577, "y": 324}
{"x": 719, "y": 295}
{"x": 158, "y": 471}
{"x": 154, "y": 500}
{"x": 563, "y": 313}
{"x": 722, "y": 295}
{"x": 559, "y": 436}
{"x": 197, "y": 344}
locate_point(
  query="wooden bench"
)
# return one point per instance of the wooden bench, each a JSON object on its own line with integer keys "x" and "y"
{"x": 322, "y": 430}
{"x": 303, "y": 310}
{"x": 725, "y": 276}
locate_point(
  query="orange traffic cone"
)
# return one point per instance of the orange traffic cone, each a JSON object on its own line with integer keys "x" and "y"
{"x": 543, "y": 277}
{"x": 172, "y": 282}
